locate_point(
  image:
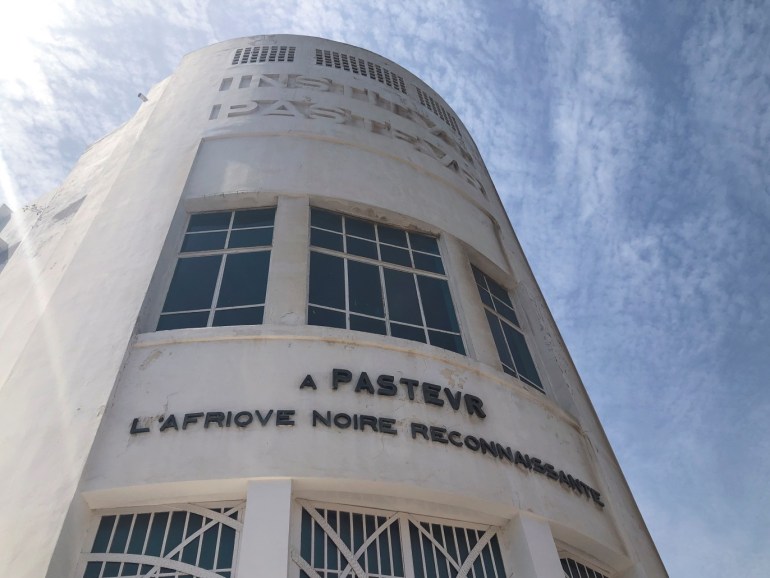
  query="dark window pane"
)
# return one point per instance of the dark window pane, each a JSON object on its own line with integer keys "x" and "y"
{"x": 359, "y": 228}
{"x": 194, "y": 523}
{"x": 111, "y": 569}
{"x": 372, "y": 565}
{"x": 362, "y": 248}
{"x": 449, "y": 541}
{"x": 318, "y": 546}
{"x": 437, "y": 304}
{"x": 120, "y": 537}
{"x": 175, "y": 532}
{"x": 428, "y": 263}
{"x": 395, "y": 540}
{"x": 93, "y": 570}
{"x": 392, "y": 236}
{"x": 407, "y": 332}
{"x": 204, "y": 241}
{"x": 130, "y": 569}
{"x": 402, "y": 297}
{"x": 102, "y": 539}
{"x": 358, "y": 531}
{"x": 254, "y": 218}
{"x": 505, "y": 311}
{"x": 345, "y": 528}
{"x": 395, "y": 255}
{"x": 239, "y": 316}
{"x": 479, "y": 276}
{"x": 190, "y": 551}
{"x": 497, "y": 335}
{"x": 448, "y": 341}
{"x": 209, "y": 221}
{"x": 486, "y": 298}
{"x": 157, "y": 530}
{"x": 192, "y": 286}
{"x": 325, "y": 317}
{"x": 365, "y": 292}
{"x": 499, "y": 292}
{"x": 462, "y": 543}
{"x": 367, "y": 324}
{"x": 251, "y": 238}
{"x": 325, "y": 220}
{"x": 327, "y": 280}
{"x": 423, "y": 243}
{"x": 183, "y": 320}
{"x": 226, "y": 546}
{"x": 499, "y": 567}
{"x": 319, "y": 238}
{"x": 524, "y": 364}
{"x": 331, "y": 549}
{"x": 486, "y": 554}
{"x": 305, "y": 536}
{"x": 208, "y": 548}
{"x": 138, "y": 534}
{"x": 244, "y": 281}
{"x": 414, "y": 535}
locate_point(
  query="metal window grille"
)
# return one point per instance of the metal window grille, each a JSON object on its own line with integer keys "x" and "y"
{"x": 221, "y": 272}
{"x": 258, "y": 54}
{"x": 509, "y": 339}
{"x": 574, "y": 569}
{"x": 361, "y": 543}
{"x": 184, "y": 541}
{"x": 387, "y": 257}
{"x": 334, "y": 59}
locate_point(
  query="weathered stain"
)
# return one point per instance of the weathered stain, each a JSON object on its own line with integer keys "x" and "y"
{"x": 150, "y": 358}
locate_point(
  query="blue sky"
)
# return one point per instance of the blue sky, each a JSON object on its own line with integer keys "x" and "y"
{"x": 629, "y": 141}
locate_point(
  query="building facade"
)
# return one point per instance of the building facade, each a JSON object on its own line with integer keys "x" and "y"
{"x": 279, "y": 324}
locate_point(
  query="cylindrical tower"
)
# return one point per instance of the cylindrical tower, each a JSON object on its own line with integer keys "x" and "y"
{"x": 278, "y": 323}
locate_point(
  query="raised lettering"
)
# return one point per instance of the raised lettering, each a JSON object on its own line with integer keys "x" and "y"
{"x": 386, "y": 385}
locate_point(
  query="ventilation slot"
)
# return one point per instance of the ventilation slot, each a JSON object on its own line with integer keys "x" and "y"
{"x": 257, "y": 54}
{"x": 332, "y": 59}
{"x": 429, "y": 102}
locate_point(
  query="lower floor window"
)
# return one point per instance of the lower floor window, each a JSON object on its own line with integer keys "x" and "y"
{"x": 361, "y": 543}
{"x": 185, "y": 541}
{"x": 573, "y": 569}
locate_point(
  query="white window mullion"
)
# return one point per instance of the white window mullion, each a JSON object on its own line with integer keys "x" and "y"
{"x": 406, "y": 546}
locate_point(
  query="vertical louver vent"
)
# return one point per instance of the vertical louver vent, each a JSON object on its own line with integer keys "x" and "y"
{"x": 333, "y": 59}
{"x": 257, "y": 54}
{"x": 430, "y": 103}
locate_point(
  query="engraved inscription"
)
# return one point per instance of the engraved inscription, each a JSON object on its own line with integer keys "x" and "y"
{"x": 291, "y": 95}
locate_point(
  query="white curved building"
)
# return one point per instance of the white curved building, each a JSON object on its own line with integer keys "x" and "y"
{"x": 278, "y": 324}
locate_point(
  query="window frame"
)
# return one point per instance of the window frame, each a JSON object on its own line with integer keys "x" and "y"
{"x": 403, "y": 520}
{"x": 230, "y": 507}
{"x": 382, "y": 266}
{"x": 502, "y": 319}
{"x": 223, "y": 253}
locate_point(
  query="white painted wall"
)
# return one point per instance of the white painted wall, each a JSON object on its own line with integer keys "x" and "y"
{"x": 80, "y": 298}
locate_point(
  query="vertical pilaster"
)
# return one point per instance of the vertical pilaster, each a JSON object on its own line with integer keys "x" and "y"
{"x": 264, "y": 548}
{"x": 286, "y": 300}
{"x": 476, "y": 335}
{"x": 532, "y": 549}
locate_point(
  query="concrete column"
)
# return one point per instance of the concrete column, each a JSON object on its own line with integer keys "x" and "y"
{"x": 470, "y": 310}
{"x": 264, "y": 548}
{"x": 532, "y": 549}
{"x": 286, "y": 300}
